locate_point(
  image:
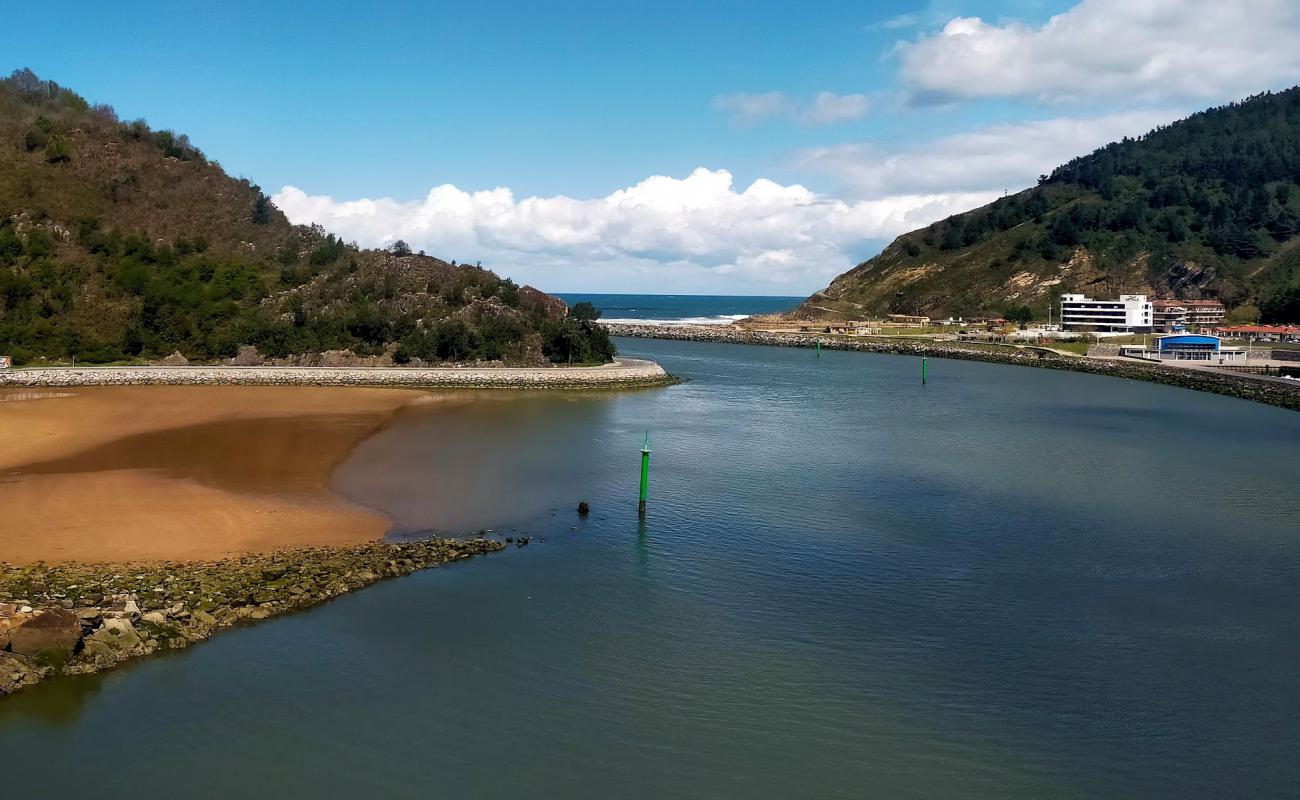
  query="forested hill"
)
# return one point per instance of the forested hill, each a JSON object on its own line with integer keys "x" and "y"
{"x": 1208, "y": 207}
{"x": 122, "y": 242}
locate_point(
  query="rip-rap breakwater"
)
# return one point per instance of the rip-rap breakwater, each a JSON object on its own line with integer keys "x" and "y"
{"x": 623, "y": 373}
{"x": 1245, "y": 386}
{"x": 76, "y": 619}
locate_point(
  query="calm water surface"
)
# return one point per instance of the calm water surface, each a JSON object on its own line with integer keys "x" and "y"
{"x": 1007, "y": 583}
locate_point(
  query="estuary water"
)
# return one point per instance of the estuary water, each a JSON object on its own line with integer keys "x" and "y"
{"x": 1009, "y": 582}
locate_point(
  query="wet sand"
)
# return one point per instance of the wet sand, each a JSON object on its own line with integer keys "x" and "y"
{"x": 114, "y": 474}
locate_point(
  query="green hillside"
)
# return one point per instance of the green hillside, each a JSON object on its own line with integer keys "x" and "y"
{"x": 121, "y": 242}
{"x": 1208, "y": 207}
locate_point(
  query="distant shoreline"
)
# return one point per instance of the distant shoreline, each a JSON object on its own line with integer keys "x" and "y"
{"x": 1269, "y": 391}
{"x": 622, "y": 373}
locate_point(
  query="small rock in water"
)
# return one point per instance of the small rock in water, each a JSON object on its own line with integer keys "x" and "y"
{"x": 584, "y": 508}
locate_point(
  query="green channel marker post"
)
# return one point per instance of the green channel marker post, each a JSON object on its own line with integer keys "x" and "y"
{"x": 819, "y": 348}
{"x": 923, "y": 364}
{"x": 645, "y": 472}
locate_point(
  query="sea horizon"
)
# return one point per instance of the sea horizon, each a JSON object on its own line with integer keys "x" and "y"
{"x": 681, "y": 309}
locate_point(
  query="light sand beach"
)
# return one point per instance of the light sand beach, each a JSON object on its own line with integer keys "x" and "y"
{"x": 181, "y": 472}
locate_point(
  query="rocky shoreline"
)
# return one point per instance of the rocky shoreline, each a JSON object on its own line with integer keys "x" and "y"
{"x": 623, "y": 373}
{"x": 1247, "y": 387}
{"x": 73, "y": 619}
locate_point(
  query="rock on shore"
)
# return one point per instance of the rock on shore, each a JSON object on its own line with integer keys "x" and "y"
{"x": 77, "y": 619}
{"x": 1272, "y": 392}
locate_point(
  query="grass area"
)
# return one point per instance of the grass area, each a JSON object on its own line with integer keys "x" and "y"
{"x": 1258, "y": 345}
{"x": 1076, "y": 347}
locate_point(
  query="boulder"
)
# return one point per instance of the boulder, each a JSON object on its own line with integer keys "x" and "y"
{"x": 10, "y": 619}
{"x": 115, "y": 640}
{"x": 247, "y": 356}
{"x": 55, "y": 631}
{"x": 204, "y": 618}
{"x": 120, "y": 605}
{"x": 15, "y": 673}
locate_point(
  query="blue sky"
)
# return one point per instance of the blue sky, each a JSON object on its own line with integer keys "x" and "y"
{"x": 859, "y": 120}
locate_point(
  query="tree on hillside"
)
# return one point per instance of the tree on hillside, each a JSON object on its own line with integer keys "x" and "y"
{"x": 399, "y": 248}
{"x": 261, "y": 209}
{"x": 58, "y": 149}
{"x": 1282, "y": 308}
{"x": 584, "y": 312}
{"x": 26, "y": 82}
{"x": 1020, "y": 314}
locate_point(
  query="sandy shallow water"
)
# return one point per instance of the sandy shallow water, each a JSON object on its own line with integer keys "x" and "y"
{"x": 181, "y": 472}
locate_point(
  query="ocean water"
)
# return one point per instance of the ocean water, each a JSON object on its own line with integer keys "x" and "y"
{"x": 682, "y": 309}
{"x": 1007, "y": 583}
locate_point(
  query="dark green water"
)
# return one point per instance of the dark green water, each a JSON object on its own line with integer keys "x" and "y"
{"x": 1008, "y": 583}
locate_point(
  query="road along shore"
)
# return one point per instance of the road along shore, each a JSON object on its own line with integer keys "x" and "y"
{"x": 1271, "y": 391}
{"x": 622, "y": 373}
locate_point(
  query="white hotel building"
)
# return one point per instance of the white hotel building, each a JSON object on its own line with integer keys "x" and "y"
{"x": 1130, "y": 312}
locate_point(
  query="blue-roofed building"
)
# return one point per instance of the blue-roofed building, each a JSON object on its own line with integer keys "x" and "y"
{"x": 1197, "y": 347}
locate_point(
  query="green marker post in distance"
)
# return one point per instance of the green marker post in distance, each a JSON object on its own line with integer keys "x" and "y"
{"x": 645, "y": 472}
{"x": 923, "y": 365}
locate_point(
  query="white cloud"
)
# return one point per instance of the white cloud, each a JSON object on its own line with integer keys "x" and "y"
{"x": 897, "y": 23}
{"x": 702, "y": 233}
{"x": 828, "y": 108}
{"x": 825, "y": 108}
{"x": 695, "y": 233}
{"x": 746, "y": 108}
{"x": 1144, "y": 50}
{"x": 1004, "y": 156}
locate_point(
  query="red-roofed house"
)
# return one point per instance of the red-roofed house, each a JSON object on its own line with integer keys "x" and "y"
{"x": 1267, "y": 333}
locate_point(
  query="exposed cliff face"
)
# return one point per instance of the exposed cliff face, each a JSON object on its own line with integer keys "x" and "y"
{"x": 1205, "y": 208}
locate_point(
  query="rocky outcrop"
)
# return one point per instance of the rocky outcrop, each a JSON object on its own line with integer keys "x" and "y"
{"x": 176, "y": 359}
{"x": 54, "y": 632}
{"x": 621, "y": 373}
{"x": 538, "y": 301}
{"x": 1272, "y": 391}
{"x": 77, "y": 619}
{"x": 17, "y": 673}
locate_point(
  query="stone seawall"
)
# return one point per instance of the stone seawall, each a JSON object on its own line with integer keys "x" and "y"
{"x": 1273, "y": 391}
{"x": 620, "y": 374}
